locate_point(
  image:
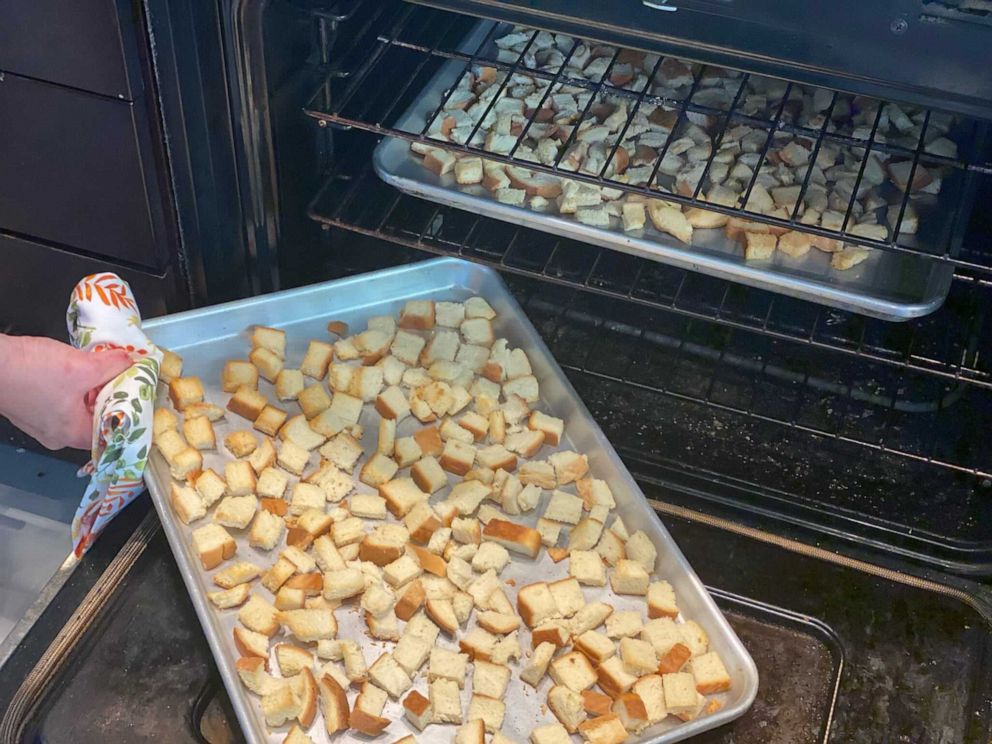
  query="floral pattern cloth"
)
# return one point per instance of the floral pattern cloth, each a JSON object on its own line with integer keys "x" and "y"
{"x": 102, "y": 315}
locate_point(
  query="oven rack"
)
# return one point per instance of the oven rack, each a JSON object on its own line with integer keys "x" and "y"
{"x": 384, "y": 66}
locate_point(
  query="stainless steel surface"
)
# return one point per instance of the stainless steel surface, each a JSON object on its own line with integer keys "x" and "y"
{"x": 889, "y": 285}
{"x": 38, "y": 498}
{"x": 207, "y": 337}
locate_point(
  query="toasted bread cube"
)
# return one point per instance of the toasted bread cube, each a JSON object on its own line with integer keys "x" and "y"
{"x": 406, "y": 451}
{"x": 268, "y": 364}
{"x": 387, "y": 674}
{"x": 270, "y": 420}
{"x": 553, "y": 428}
{"x": 210, "y": 487}
{"x": 587, "y": 567}
{"x": 611, "y": 548}
{"x": 272, "y": 339}
{"x": 526, "y": 388}
{"x": 422, "y": 522}
{"x": 266, "y": 530}
{"x": 596, "y": 493}
{"x": 343, "y": 583}
{"x": 490, "y": 679}
{"x": 449, "y": 665}
{"x": 241, "y": 572}
{"x": 240, "y": 443}
{"x": 299, "y": 432}
{"x": 385, "y": 544}
{"x": 569, "y": 466}
{"x": 551, "y": 733}
{"x": 663, "y": 634}
{"x": 417, "y": 710}
{"x": 564, "y": 507}
{"x": 335, "y": 483}
{"x": 417, "y": 314}
{"x": 236, "y": 511}
{"x": 490, "y": 557}
{"x": 240, "y": 478}
{"x": 709, "y": 673}
{"x": 277, "y": 575}
{"x": 640, "y": 548}
{"x": 567, "y": 595}
{"x": 650, "y": 689}
{"x": 586, "y": 534}
{"x": 535, "y": 603}
{"x": 293, "y": 457}
{"x": 552, "y": 631}
{"x": 315, "y": 361}
{"x": 309, "y": 624}
{"x": 550, "y": 531}
{"x": 445, "y": 701}
{"x": 535, "y": 670}
{"x": 429, "y": 440}
{"x": 237, "y": 374}
{"x": 247, "y": 402}
{"x": 187, "y": 504}
{"x": 477, "y": 307}
{"x": 347, "y": 532}
{"x": 186, "y": 464}
{"x": 386, "y": 443}
{"x": 289, "y": 384}
{"x": 171, "y": 367}
{"x": 402, "y": 570}
{"x": 759, "y": 246}
{"x": 589, "y": 617}
{"x": 630, "y": 710}
{"x": 184, "y": 391}
{"x": 314, "y": 400}
{"x": 694, "y": 637}
{"x": 477, "y": 331}
{"x": 406, "y": 347}
{"x": 164, "y": 420}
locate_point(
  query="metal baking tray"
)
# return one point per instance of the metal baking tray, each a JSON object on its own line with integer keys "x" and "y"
{"x": 207, "y": 337}
{"x": 890, "y": 285}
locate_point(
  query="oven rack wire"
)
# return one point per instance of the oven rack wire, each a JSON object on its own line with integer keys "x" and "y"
{"x": 429, "y": 38}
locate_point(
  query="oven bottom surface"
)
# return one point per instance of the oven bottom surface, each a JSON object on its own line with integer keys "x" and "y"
{"x": 843, "y": 655}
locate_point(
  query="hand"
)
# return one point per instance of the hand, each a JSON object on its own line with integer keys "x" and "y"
{"x": 48, "y": 389}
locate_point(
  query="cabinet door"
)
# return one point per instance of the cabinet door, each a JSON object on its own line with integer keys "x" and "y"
{"x": 86, "y": 44}
{"x": 78, "y": 170}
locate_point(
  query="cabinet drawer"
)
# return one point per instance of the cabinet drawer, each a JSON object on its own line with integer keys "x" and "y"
{"x": 37, "y": 281}
{"x": 77, "y": 169}
{"x": 86, "y": 44}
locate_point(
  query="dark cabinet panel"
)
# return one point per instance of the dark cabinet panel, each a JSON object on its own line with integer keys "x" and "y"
{"x": 36, "y": 280}
{"x": 82, "y": 43}
{"x": 78, "y": 170}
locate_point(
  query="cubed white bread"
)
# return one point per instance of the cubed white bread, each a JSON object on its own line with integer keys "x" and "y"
{"x": 477, "y": 331}
{"x": 266, "y": 530}
{"x": 661, "y": 600}
{"x": 236, "y": 574}
{"x": 401, "y": 494}
{"x": 550, "y": 733}
{"x": 525, "y": 443}
{"x": 385, "y": 628}
{"x": 694, "y": 637}
{"x": 314, "y": 400}
{"x": 445, "y": 700}
{"x": 411, "y": 599}
{"x": 406, "y": 451}
{"x": 236, "y": 511}
{"x": 252, "y": 644}
{"x": 613, "y": 678}
{"x": 343, "y": 451}
{"x": 567, "y": 595}
{"x": 516, "y": 538}
{"x": 273, "y": 339}
{"x": 422, "y": 627}
{"x": 378, "y": 470}
{"x": 387, "y": 674}
{"x": 163, "y": 420}
{"x": 406, "y": 347}
{"x": 564, "y": 507}
{"x": 585, "y": 535}
{"x": 550, "y": 531}
{"x": 536, "y": 668}
{"x": 237, "y": 374}
{"x": 490, "y": 556}
{"x": 377, "y": 601}
{"x": 552, "y": 428}
{"x": 603, "y": 729}
{"x": 309, "y": 625}
{"x": 187, "y": 503}
{"x": 417, "y": 710}
{"x": 466, "y": 530}
{"x": 709, "y": 673}
{"x": 569, "y": 466}
{"x": 272, "y": 483}
{"x": 368, "y": 506}
{"x": 199, "y": 433}
{"x": 587, "y": 567}
{"x": 403, "y": 569}
{"x": 639, "y": 547}
{"x": 650, "y": 689}
{"x": 392, "y": 403}
{"x": 333, "y": 704}
{"x": 555, "y": 632}
{"x": 629, "y": 708}
{"x": 662, "y": 633}
{"x": 478, "y": 307}
{"x": 590, "y": 617}
{"x": 489, "y": 710}
{"x": 535, "y": 603}
{"x": 525, "y": 387}
{"x": 611, "y": 548}
{"x": 280, "y": 705}
{"x": 490, "y": 680}
{"x": 596, "y": 646}
{"x": 343, "y": 583}
{"x": 213, "y": 544}
{"x": 442, "y": 612}
{"x": 449, "y": 314}
{"x": 298, "y": 431}
{"x": 573, "y": 670}
{"x": 639, "y": 657}
{"x": 457, "y": 457}
{"x": 595, "y": 492}
{"x": 418, "y": 314}
{"x": 507, "y": 649}
{"x": 538, "y": 473}
{"x": 567, "y": 706}
{"x": 681, "y": 695}
{"x": 624, "y": 624}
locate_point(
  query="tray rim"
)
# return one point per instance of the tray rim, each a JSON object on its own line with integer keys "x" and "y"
{"x": 768, "y": 278}
{"x": 190, "y": 571}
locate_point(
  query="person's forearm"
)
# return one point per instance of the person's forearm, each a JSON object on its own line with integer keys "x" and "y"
{"x": 11, "y": 373}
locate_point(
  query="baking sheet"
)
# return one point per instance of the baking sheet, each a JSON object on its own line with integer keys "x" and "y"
{"x": 207, "y": 337}
{"x": 889, "y": 285}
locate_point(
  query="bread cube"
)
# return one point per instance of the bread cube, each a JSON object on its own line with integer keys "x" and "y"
{"x": 449, "y": 314}
{"x": 348, "y": 531}
{"x": 418, "y": 314}
{"x": 567, "y": 595}
{"x": 247, "y": 403}
{"x": 306, "y": 496}
{"x": 368, "y": 505}
{"x": 567, "y": 706}
{"x": 587, "y": 567}
{"x": 270, "y": 420}
{"x": 163, "y": 420}
{"x": 638, "y": 656}
{"x": 266, "y": 530}
{"x": 596, "y": 646}
{"x": 624, "y": 624}
{"x": 343, "y": 450}
{"x": 630, "y": 710}
{"x": 298, "y": 430}
{"x": 184, "y": 391}
{"x": 240, "y": 443}
{"x": 477, "y": 307}
{"x": 445, "y": 701}
{"x": 417, "y": 710}
{"x": 709, "y": 673}
{"x": 187, "y": 504}
{"x": 613, "y": 678}
{"x": 237, "y": 374}
{"x": 661, "y": 600}
{"x": 240, "y": 478}
{"x": 268, "y": 364}
{"x": 171, "y": 367}
{"x": 272, "y": 339}
{"x": 611, "y": 548}
{"x": 402, "y": 570}
{"x": 680, "y": 692}
{"x": 236, "y": 511}
{"x": 293, "y": 457}
{"x": 488, "y": 710}
{"x": 551, "y": 733}
{"x": 210, "y": 487}
{"x": 314, "y": 400}
{"x": 591, "y": 616}
{"x": 639, "y": 547}
{"x": 319, "y": 355}
{"x": 213, "y": 544}
{"x": 457, "y": 457}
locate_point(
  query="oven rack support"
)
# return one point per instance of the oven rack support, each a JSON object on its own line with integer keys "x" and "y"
{"x": 345, "y": 101}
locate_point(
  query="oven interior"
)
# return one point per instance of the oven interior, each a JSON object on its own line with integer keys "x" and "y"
{"x": 828, "y": 475}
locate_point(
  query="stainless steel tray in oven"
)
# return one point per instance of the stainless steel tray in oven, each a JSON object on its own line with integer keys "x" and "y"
{"x": 889, "y": 285}
{"x": 207, "y": 337}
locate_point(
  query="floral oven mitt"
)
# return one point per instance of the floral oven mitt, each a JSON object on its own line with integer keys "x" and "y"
{"x": 103, "y": 315}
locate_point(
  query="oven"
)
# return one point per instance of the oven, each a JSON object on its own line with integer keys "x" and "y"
{"x": 817, "y": 445}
